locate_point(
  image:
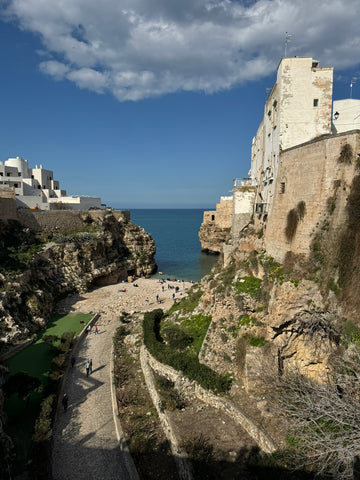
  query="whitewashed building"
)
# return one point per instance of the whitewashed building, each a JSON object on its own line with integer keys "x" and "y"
{"x": 346, "y": 115}
{"x": 36, "y": 187}
{"x": 297, "y": 110}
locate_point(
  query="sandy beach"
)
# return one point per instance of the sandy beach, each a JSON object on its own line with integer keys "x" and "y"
{"x": 111, "y": 300}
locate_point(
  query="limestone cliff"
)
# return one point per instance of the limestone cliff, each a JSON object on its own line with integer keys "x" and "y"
{"x": 212, "y": 237}
{"x": 44, "y": 262}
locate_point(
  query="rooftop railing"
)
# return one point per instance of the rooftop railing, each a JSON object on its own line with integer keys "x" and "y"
{"x": 244, "y": 182}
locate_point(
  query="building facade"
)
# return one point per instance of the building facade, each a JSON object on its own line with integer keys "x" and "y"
{"x": 297, "y": 110}
{"x": 36, "y": 187}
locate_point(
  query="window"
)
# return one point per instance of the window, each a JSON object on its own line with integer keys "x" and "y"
{"x": 316, "y": 102}
{"x": 212, "y": 217}
{"x": 8, "y": 174}
{"x": 1, "y": 174}
{"x": 15, "y": 185}
{"x": 19, "y": 174}
{"x": 282, "y": 187}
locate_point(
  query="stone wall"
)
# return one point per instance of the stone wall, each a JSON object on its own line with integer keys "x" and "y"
{"x": 7, "y": 203}
{"x": 63, "y": 220}
{"x": 244, "y": 198}
{"x": 216, "y": 226}
{"x": 312, "y": 174}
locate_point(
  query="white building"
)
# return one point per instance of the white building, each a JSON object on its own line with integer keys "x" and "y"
{"x": 297, "y": 110}
{"x": 346, "y": 115}
{"x": 36, "y": 187}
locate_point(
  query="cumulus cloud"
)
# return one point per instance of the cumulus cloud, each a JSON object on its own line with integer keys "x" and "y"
{"x": 136, "y": 49}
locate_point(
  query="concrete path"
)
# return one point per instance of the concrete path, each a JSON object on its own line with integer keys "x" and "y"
{"x": 85, "y": 441}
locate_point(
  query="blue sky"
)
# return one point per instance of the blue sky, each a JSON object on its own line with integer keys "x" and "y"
{"x": 154, "y": 103}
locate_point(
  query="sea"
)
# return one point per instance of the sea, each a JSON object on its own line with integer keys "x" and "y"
{"x": 176, "y": 235}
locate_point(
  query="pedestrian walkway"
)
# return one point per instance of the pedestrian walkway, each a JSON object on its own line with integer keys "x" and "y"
{"x": 85, "y": 442}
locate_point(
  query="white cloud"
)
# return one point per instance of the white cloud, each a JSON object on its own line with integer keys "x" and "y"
{"x": 141, "y": 48}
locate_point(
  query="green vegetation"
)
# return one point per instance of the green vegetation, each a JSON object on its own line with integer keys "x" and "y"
{"x": 255, "y": 341}
{"x": 247, "y": 321}
{"x": 170, "y": 398}
{"x": 190, "y": 332}
{"x": 350, "y": 333}
{"x": 348, "y": 240}
{"x": 188, "y": 303}
{"x": 43, "y": 360}
{"x": 346, "y": 154}
{"x": 292, "y": 221}
{"x": 185, "y": 361}
{"x": 249, "y": 285}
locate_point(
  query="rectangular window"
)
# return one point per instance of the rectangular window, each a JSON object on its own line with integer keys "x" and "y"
{"x": 316, "y": 102}
{"x": 282, "y": 187}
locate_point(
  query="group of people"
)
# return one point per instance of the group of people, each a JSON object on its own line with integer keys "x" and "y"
{"x": 88, "y": 367}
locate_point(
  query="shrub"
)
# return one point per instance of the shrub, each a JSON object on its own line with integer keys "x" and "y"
{"x": 186, "y": 362}
{"x": 255, "y": 341}
{"x": 346, "y": 154}
{"x": 292, "y": 221}
{"x": 301, "y": 209}
{"x": 249, "y": 285}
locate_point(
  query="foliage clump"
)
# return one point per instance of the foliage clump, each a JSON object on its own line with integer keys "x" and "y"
{"x": 249, "y": 285}
{"x": 346, "y": 154}
{"x": 184, "y": 361}
{"x": 292, "y": 221}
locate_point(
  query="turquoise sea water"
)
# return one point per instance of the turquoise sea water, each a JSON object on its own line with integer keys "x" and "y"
{"x": 176, "y": 235}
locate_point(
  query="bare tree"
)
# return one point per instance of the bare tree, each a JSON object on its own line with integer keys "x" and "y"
{"x": 324, "y": 430}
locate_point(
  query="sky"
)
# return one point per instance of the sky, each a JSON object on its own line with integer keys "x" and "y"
{"x": 154, "y": 103}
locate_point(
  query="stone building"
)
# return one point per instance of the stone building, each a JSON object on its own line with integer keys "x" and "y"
{"x": 346, "y": 115}
{"x": 7, "y": 203}
{"x": 216, "y": 227}
{"x": 297, "y": 110}
{"x": 36, "y": 187}
{"x": 294, "y": 159}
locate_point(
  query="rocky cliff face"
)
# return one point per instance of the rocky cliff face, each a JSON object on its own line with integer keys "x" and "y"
{"x": 38, "y": 268}
{"x": 212, "y": 237}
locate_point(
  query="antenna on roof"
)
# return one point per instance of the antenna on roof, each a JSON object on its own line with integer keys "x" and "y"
{"x": 288, "y": 37}
{"x": 353, "y": 80}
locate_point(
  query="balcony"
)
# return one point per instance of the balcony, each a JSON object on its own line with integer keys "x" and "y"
{"x": 244, "y": 182}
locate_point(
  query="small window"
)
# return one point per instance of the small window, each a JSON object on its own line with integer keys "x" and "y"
{"x": 212, "y": 217}
{"x": 1, "y": 174}
{"x": 32, "y": 176}
{"x": 15, "y": 185}
{"x": 316, "y": 102}
{"x": 282, "y": 187}
{"x": 39, "y": 187}
{"x": 19, "y": 174}
{"x": 8, "y": 174}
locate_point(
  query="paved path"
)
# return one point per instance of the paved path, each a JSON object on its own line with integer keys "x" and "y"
{"x": 85, "y": 442}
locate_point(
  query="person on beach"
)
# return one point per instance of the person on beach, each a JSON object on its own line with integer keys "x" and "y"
{"x": 90, "y": 366}
{"x": 65, "y": 402}
{"x": 96, "y": 330}
{"x": 173, "y": 296}
{"x": 87, "y": 367}
{"x": 88, "y": 329}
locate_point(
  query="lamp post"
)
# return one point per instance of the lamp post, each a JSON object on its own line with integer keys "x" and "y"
{"x": 353, "y": 80}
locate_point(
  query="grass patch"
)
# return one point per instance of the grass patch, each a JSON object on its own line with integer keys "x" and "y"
{"x": 188, "y": 303}
{"x": 249, "y": 285}
{"x": 35, "y": 360}
{"x": 184, "y": 361}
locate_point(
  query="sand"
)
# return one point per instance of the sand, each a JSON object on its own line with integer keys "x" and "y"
{"x": 110, "y": 301}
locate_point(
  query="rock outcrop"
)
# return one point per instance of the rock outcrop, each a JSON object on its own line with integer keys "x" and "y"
{"x": 40, "y": 267}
